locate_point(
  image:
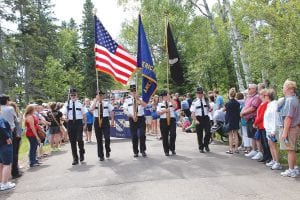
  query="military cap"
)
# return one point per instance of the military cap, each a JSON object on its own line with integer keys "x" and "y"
{"x": 199, "y": 90}
{"x": 72, "y": 90}
{"x": 132, "y": 88}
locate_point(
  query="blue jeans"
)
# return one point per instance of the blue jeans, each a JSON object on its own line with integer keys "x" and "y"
{"x": 32, "y": 150}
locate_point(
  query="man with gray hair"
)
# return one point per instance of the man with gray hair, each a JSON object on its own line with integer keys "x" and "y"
{"x": 248, "y": 113}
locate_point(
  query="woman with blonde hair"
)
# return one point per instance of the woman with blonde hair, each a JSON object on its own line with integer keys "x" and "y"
{"x": 31, "y": 125}
{"x": 271, "y": 126}
{"x": 232, "y": 121}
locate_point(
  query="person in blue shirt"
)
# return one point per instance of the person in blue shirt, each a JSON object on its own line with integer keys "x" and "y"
{"x": 219, "y": 100}
{"x": 89, "y": 121}
{"x": 6, "y": 155}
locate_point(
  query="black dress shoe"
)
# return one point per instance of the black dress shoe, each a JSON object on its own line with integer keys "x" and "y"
{"x": 81, "y": 157}
{"x": 17, "y": 176}
{"x": 207, "y": 149}
{"x": 167, "y": 154}
{"x": 101, "y": 159}
{"x": 107, "y": 155}
{"x": 136, "y": 155}
{"x": 144, "y": 154}
{"x": 174, "y": 152}
{"x": 201, "y": 150}
{"x": 75, "y": 162}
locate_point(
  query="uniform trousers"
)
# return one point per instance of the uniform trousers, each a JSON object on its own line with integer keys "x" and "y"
{"x": 204, "y": 124}
{"x": 168, "y": 133}
{"x": 104, "y": 130}
{"x": 134, "y": 126}
{"x": 75, "y": 129}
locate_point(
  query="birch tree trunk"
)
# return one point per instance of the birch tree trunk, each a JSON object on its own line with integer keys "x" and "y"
{"x": 209, "y": 15}
{"x": 238, "y": 41}
{"x": 236, "y": 63}
{"x": 234, "y": 50}
{"x": 1, "y": 58}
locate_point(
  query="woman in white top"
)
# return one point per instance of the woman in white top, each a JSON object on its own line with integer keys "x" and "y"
{"x": 271, "y": 125}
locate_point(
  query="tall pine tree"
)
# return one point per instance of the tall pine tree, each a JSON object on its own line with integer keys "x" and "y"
{"x": 88, "y": 35}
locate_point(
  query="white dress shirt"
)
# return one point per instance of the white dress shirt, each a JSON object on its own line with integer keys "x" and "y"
{"x": 162, "y": 107}
{"x": 128, "y": 107}
{"x": 107, "y": 108}
{"x": 196, "y": 107}
{"x": 80, "y": 110}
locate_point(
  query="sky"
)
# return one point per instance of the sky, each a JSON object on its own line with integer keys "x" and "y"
{"x": 110, "y": 14}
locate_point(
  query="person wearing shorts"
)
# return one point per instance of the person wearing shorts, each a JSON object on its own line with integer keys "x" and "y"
{"x": 248, "y": 113}
{"x": 148, "y": 117}
{"x": 54, "y": 116}
{"x": 290, "y": 115}
{"x": 6, "y": 155}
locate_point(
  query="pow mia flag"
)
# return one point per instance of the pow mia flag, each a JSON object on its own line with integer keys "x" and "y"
{"x": 174, "y": 61}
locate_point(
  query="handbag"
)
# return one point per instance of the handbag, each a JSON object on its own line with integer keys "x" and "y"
{"x": 225, "y": 128}
{"x": 41, "y": 133}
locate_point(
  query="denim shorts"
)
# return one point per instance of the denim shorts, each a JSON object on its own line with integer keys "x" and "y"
{"x": 257, "y": 135}
{"x": 54, "y": 130}
{"x": 6, "y": 154}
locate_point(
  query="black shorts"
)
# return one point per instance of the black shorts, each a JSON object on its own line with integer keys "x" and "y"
{"x": 250, "y": 130}
{"x": 89, "y": 127}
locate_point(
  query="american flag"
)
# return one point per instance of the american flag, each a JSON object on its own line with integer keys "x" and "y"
{"x": 112, "y": 58}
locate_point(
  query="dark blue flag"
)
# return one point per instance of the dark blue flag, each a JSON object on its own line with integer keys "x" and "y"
{"x": 144, "y": 61}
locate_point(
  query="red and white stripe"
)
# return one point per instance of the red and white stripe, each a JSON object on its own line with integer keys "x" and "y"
{"x": 120, "y": 65}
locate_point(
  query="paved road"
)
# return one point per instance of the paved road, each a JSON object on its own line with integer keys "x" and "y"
{"x": 188, "y": 175}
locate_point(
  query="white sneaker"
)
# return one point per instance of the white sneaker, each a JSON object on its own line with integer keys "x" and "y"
{"x": 271, "y": 163}
{"x": 297, "y": 171}
{"x": 7, "y": 186}
{"x": 276, "y": 166}
{"x": 251, "y": 153}
{"x": 289, "y": 173}
{"x": 258, "y": 156}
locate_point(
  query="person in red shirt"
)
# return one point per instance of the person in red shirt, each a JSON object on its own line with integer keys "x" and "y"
{"x": 31, "y": 124}
{"x": 264, "y": 154}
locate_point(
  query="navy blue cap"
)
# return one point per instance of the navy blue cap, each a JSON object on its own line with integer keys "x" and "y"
{"x": 72, "y": 90}
{"x": 132, "y": 88}
{"x": 199, "y": 90}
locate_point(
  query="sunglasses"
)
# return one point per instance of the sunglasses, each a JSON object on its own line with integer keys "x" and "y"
{"x": 73, "y": 95}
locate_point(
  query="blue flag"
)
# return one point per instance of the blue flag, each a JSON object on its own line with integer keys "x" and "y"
{"x": 144, "y": 61}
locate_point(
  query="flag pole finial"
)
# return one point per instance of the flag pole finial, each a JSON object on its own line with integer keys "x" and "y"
{"x": 94, "y": 11}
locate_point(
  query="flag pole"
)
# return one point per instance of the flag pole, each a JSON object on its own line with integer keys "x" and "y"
{"x": 97, "y": 73}
{"x": 167, "y": 53}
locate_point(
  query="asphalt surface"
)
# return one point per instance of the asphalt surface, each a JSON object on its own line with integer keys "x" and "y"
{"x": 188, "y": 175}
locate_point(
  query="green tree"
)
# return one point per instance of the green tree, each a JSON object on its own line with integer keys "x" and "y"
{"x": 88, "y": 42}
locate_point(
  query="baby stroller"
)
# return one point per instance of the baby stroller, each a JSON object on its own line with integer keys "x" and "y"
{"x": 218, "y": 126}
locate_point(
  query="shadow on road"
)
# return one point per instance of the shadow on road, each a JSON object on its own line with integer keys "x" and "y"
{"x": 81, "y": 167}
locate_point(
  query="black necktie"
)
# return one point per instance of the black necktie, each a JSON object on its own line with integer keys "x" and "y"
{"x": 167, "y": 106}
{"x": 74, "y": 111}
{"x": 101, "y": 110}
{"x": 202, "y": 108}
